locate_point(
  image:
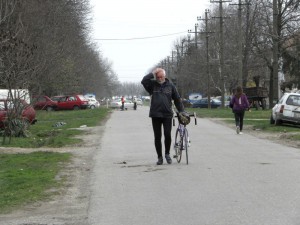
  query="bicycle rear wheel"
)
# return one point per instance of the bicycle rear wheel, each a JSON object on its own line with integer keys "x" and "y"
{"x": 178, "y": 146}
{"x": 186, "y": 144}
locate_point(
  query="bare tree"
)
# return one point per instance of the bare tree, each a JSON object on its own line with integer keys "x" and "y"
{"x": 287, "y": 23}
{"x": 66, "y": 59}
{"x": 45, "y": 47}
{"x": 16, "y": 59}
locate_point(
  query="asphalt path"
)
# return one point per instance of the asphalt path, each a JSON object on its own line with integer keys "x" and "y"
{"x": 230, "y": 179}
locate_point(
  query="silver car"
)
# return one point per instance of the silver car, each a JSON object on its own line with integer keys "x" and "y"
{"x": 287, "y": 110}
{"x": 117, "y": 103}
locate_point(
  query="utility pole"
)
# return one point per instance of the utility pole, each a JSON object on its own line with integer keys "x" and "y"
{"x": 221, "y": 48}
{"x": 207, "y": 54}
{"x": 195, "y": 32}
{"x": 274, "y": 93}
{"x": 168, "y": 68}
{"x": 241, "y": 78}
{"x": 187, "y": 46}
{"x": 172, "y": 66}
{"x": 164, "y": 64}
{"x": 196, "y": 46}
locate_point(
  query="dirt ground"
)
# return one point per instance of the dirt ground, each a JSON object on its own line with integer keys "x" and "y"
{"x": 71, "y": 205}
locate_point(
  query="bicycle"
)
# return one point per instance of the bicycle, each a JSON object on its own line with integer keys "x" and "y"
{"x": 182, "y": 140}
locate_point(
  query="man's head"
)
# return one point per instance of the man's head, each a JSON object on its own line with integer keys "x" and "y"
{"x": 160, "y": 75}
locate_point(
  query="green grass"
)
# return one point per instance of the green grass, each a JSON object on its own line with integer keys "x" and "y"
{"x": 227, "y": 113}
{"x": 256, "y": 119}
{"x": 44, "y": 134}
{"x": 25, "y": 177}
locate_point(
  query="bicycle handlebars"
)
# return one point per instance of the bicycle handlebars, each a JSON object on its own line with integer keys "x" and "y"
{"x": 190, "y": 114}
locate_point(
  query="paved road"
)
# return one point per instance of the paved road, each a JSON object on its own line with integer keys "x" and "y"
{"x": 230, "y": 180}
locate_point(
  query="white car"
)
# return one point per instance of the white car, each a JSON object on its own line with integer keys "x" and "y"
{"x": 93, "y": 103}
{"x": 117, "y": 104}
{"x": 287, "y": 110}
{"x": 139, "y": 101}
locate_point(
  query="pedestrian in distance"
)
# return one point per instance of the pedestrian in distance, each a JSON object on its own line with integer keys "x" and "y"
{"x": 239, "y": 104}
{"x": 123, "y": 102}
{"x": 162, "y": 93}
{"x": 134, "y": 103}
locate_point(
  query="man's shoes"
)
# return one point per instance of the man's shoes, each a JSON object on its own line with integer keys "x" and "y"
{"x": 168, "y": 158}
{"x": 160, "y": 161}
{"x": 241, "y": 132}
{"x": 237, "y": 129}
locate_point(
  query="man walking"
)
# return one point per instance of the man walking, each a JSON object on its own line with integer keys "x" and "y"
{"x": 161, "y": 112}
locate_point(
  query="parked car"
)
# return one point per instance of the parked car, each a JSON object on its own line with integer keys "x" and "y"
{"x": 139, "y": 101}
{"x": 203, "y": 103}
{"x": 57, "y": 98}
{"x": 71, "y": 102}
{"x": 287, "y": 110}
{"x": 117, "y": 104}
{"x": 226, "y": 100}
{"x": 187, "y": 103}
{"x": 93, "y": 103}
{"x": 44, "y": 103}
{"x": 28, "y": 112}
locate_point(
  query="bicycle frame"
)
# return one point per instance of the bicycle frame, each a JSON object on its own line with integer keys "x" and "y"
{"x": 181, "y": 129}
{"x": 182, "y": 142}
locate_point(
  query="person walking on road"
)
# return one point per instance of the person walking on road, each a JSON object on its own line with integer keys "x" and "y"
{"x": 134, "y": 103}
{"x": 161, "y": 112}
{"x": 239, "y": 104}
{"x": 123, "y": 102}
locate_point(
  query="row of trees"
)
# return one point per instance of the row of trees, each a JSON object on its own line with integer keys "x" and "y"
{"x": 45, "y": 47}
{"x": 195, "y": 62}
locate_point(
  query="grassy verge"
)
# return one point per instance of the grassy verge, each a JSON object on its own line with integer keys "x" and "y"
{"x": 45, "y": 134}
{"x": 26, "y": 178}
{"x": 257, "y": 119}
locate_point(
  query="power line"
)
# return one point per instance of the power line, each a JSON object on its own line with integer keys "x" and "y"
{"x": 136, "y": 38}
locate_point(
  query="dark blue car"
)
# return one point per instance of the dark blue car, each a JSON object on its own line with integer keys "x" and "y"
{"x": 203, "y": 103}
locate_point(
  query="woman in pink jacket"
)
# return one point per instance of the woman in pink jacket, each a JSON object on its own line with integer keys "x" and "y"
{"x": 239, "y": 104}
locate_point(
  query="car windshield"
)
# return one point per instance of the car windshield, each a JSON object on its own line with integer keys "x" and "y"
{"x": 57, "y": 98}
{"x": 293, "y": 100}
{"x": 82, "y": 98}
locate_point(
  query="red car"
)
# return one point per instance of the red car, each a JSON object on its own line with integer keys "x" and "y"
{"x": 44, "y": 103}
{"x": 28, "y": 112}
{"x": 71, "y": 102}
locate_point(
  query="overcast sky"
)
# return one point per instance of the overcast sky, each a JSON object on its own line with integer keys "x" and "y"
{"x": 140, "y": 21}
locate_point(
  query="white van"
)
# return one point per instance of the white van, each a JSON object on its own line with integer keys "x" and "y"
{"x": 16, "y": 93}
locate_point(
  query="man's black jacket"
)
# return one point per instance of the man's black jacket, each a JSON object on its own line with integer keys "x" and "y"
{"x": 162, "y": 96}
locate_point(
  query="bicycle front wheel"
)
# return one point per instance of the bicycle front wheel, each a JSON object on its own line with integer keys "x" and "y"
{"x": 186, "y": 144}
{"x": 178, "y": 146}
